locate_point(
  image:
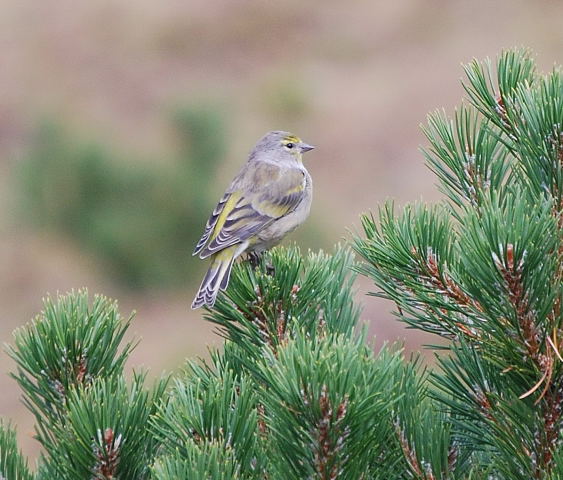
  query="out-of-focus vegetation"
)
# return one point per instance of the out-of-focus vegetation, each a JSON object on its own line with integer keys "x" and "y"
{"x": 141, "y": 218}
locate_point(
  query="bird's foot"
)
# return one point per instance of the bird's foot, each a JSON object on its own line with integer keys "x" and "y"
{"x": 270, "y": 269}
{"x": 254, "y": 259}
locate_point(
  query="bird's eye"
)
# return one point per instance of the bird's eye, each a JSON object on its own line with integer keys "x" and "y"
{"x": 290, "y": 145}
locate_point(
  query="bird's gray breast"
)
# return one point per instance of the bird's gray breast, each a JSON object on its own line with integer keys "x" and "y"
{"x": 278, "y": 229}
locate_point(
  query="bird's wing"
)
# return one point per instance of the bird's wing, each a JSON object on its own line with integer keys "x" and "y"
{"x": 210, "y": 225}
{"x": 256, "y": 199}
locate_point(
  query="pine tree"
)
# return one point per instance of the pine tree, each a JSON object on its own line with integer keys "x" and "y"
{"x": 297, "y": 391}
{"x": 485, "y": 268}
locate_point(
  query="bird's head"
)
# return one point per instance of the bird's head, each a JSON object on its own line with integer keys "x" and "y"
{"x": 281, "y": 145}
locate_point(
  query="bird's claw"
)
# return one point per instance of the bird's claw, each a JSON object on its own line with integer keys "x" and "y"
{"x": 254, "y": 259}
{"x": 270, "y": 269}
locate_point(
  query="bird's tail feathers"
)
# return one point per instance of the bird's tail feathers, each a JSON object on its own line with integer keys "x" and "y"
{"x": 217, "y": 277}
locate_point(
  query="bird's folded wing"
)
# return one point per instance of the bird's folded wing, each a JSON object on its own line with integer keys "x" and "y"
{"x": 259, "y": 198}
{"x": 213, "y": 221}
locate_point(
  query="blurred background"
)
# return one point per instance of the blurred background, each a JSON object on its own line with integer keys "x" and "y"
{"x": 122, "y": 122}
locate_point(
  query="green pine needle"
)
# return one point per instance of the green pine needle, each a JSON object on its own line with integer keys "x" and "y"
{"x": 13, "y": 465}
{"x": 69, "y": 345}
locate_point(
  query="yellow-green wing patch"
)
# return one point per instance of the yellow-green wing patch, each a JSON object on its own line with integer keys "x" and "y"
{"x": 272, "y": 194}
{"x": 226, "y": 201}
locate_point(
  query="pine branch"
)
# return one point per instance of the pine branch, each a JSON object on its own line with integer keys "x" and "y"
{"x": 488, "y": 271}
{"x": 327, "y": 405}
{"x": 424, "y": 431}
{"x": 106, "y": 432}
{"x": 209, "y": 461}
{"x": 13, "y": 466}
{"x": 493, "y": 98}
{"x": 466, "y": 155}
{"x": 266, "y": 305}
{"x": 212, "y": 407}
{"x": 413, "y": 259}
{"x": 67, "y": 346}
{"x": 490, "y": 415}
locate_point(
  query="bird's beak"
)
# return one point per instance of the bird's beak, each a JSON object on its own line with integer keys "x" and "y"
{"x": 306, "y": 148}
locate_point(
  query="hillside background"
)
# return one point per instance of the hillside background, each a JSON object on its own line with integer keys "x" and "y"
{"x": 122, "y": 121}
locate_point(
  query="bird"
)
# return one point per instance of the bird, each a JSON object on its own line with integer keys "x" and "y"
{"x": 269, "y": 197}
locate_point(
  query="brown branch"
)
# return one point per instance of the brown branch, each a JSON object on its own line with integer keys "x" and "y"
{"x": 552, "y": 427}
{"x": 452, "y": 458}
{"x": 500, "y": 108}
{"x": 484, "y": 405}
{"x": 551, "y": 394}
{"x": 441, "y": 281}
{"x": 556, "y": 313}
{"x": 518, "y": 297}
{"x": 435, "y": 276}
{"x": 59, "y": 388}
{"x": 330, "y": 434}
{"x": 410, "y": 456}
{"x": 81, "y": 369}
{"x": 262, "y": 426}
{"x": 474, "y": 179}
{"x": 272, "y": 335}
{"x": 445, "y": 284}
{"x": 107, "y": 455}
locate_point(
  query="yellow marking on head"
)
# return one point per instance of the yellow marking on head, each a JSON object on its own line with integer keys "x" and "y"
{"x": 290, "y": 139}
{"x": 227, "y": 209}
{"x": 295, "y": 151}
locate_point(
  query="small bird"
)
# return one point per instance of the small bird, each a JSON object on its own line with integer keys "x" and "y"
{"x": 269, "y": 197}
